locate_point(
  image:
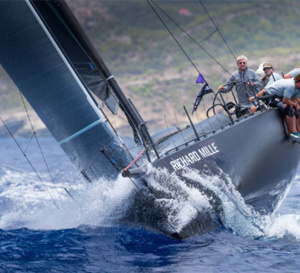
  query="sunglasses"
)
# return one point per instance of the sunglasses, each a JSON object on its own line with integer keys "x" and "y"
{"x": 267, "y": 68}
{"x": 242, "y": 62}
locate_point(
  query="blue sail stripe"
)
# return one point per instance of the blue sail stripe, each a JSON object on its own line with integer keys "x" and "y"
{"x": 80, "y": 132}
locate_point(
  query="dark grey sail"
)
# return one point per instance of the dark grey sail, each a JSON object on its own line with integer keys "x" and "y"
{"x": 49, "y": 74}
{"x": 64, "y": 28}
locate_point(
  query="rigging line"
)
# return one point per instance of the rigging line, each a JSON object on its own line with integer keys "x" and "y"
{"x": 223, "y": 38}
{"x": 73, "y": 182}
{"x": 96, "y": 158}
{"x": 199, "y": 44}
{"x": 75, "y": 201}
{"x": 121, "y": 118}
{"x": 173, "y": 141}
{"x": 207, "y": 37}
{"x": 69, "y": 185}
{"x": 28, "y": 143}
{"x": 69, "y": 193}
{"x": 144, "y": 144}
{"x": 54, "y": 202}
{"x": 148, "y": 1}
{"x": 40, "y": 148}
{"x": 113, "y": 128}
{"x": 181, "y": 131}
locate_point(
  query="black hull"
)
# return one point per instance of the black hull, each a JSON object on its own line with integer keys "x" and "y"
{"x": 254, "y": 155}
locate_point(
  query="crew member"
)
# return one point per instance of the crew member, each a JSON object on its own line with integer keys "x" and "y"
{"x": 293, "y": 73}
{"x": 289, "y": 91}
{"x": 245, "y": 81}
{"x": 270, "y": 75}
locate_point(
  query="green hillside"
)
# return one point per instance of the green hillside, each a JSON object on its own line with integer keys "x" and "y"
{"x": 150, "y": 66}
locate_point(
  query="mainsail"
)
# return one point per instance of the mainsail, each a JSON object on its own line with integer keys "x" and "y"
{"x": 46, "y": 60}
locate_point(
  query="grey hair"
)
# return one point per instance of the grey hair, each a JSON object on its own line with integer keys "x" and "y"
{"x": 241, "y": 57}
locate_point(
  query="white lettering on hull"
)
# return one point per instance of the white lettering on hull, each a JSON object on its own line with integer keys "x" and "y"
{"x": 195, "y": 156}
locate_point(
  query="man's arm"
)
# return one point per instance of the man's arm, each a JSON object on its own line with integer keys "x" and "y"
{"x": 228, "y": 85}
{"x": 258, "y": 94}
{"x": 291, "y": 103}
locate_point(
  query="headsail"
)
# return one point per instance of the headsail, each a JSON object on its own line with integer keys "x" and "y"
{"x": 67, "y": 32}
{"x": 50, "y": 70}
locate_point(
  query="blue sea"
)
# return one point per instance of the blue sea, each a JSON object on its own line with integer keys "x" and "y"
{"x": 60, "y": 223}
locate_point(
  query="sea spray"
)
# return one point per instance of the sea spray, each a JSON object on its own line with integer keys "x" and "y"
{"x": 283, "y": 226}
{"x": 235, "y": 215}
{"x": 28, "y": 203}
{"x": 183, "y": 200}
{"x": 285, "y": 223}
{"x": 168, "y": 205}
{"x": 25, "y": 202}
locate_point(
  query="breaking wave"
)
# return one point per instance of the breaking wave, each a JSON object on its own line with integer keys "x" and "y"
{"x": 200, "y": 201}
{"x": 26, "y": 202}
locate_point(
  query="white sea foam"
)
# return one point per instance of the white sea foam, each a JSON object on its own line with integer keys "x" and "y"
{"x": 286, "y": 222}
{"x": 235, "y": 215}
{"x": 283, "y": 226}
{"x": 183, "y": 202}
{"x": 27, "y": 202}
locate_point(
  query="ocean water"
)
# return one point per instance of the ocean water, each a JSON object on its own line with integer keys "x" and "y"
{"x": 60, "y": 223}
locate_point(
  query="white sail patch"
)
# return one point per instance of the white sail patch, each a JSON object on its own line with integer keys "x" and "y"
{"x": 195, "y": 156}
